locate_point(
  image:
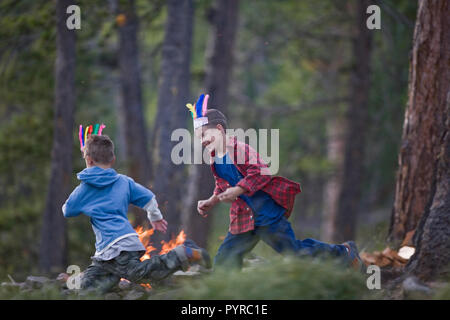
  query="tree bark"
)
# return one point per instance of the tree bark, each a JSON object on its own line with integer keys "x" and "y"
{"x": 432, "y": 257}
{"x": 53, "y": 248}
{"x": 424, "y": 124}
{"x": 224, "y": 20}
{"x": 132, "y": 116}
{"x": 356, "y": 118}
{"x": 422, "y": 199}
{"x": 173, "y": 94}
{"x": 332, "y": 188}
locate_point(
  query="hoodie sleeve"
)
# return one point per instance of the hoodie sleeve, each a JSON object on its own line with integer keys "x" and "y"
{"x": 153, "y": 212}
{"x": 139, "y": 195}
{"x": 71, "y": 207}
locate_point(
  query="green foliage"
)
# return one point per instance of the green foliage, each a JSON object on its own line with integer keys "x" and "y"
{"x": 288, "y": 278}
{"x": 443, "y": 293}
{"x": 26, "y": 83}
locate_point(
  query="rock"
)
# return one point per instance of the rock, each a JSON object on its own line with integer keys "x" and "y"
{"x": 413, "y": 287}
{"x": 25, "y": 286}
{"x": 125, "y": 284}
{"x": 62, "y": 277}
{"x": 188, "y": 273}
{"x": 133, "y": 295}
{"x": 11, "y": 285}
{"x": 37, "y": 282}
{"x": 199, "y": 268}
{"x": 137, "y": 287}
{"x": 112, "y": 296}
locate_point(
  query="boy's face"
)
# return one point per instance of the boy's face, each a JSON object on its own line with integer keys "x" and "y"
{"x": 212, "y": 138}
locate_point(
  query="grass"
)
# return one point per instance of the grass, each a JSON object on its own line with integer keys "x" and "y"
{"x": 285, "y": 278}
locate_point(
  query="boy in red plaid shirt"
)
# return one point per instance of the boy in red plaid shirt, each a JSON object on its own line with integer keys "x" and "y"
{"x": 260, "y": 203}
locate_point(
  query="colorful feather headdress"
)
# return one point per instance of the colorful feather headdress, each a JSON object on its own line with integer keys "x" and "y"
{"x": 83, "y": 135}
{"x": 199, "y": 111}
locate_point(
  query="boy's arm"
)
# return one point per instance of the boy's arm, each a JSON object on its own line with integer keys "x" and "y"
{"x": 72, "y": 208}
{"x": 140, "y": 196}
{"x": 257, "y": 173}
{"x": 145, "y": 199}
{"x": 153, "y": 212}
{"x": 154, "y": 215}
{"x": 205, "y": 205}
{"x": 218, "y": 187}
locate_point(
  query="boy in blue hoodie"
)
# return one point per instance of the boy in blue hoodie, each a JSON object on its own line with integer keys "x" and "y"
{"x": 104, "y": 196}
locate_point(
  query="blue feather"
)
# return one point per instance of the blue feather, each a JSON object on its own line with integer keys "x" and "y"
{"x": 199, "y": 105}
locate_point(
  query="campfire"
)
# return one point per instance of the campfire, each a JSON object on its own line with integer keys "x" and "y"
{"x": 145, "y": 238}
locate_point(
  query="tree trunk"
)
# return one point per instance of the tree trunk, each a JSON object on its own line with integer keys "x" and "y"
{"x": 432, "y": 257}
{"x": 424, "y": 124}
{"x": 224, "y": 20}
{"x": 132, "y": 115}
{"x": 356, "y": 118}
{"x": 173, "y": 94}
{"x": 332, "y": 188}
{"x": 53, "y": 238}
{"x": 422, "y": 199}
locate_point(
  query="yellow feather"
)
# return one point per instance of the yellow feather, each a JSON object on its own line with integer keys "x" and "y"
{"x": 192, "y": 109}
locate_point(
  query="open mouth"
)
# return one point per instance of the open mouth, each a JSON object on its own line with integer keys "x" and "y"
{"x": 207, "y": 143}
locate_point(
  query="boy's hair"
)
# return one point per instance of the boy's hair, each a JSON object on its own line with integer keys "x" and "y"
{"x": 216, "y": 117}
{"x": 100, "y": 149}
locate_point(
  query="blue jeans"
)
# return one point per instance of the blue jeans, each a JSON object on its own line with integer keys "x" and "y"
{"x": 279, "y": 236}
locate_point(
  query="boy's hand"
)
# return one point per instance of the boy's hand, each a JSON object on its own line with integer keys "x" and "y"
{"x": 205, "y": 205}
{"x": 231, "y": 194}
{"x": 160, "y": 225}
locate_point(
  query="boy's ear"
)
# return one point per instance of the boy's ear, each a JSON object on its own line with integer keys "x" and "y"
{"x": 113, "y": 161}
{"x": 89, "y": 160}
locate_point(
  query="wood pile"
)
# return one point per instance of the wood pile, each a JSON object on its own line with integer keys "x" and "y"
{"x": 389, "y": 257}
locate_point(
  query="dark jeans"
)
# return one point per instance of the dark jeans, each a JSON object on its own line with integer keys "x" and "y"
{"x": 103, "y": 275}
{"x": 279, "y": 236}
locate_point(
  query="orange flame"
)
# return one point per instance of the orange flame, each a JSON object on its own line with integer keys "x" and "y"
{"x": 167, "y": 246}
{"x": 146, "y": 285}
{"x": 145, "y": 238}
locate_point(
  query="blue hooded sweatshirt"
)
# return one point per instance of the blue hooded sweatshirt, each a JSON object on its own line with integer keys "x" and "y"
{"x": 104, "y": 196}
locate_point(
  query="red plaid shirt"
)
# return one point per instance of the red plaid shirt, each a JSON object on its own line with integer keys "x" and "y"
{"x": 282, "y": 190}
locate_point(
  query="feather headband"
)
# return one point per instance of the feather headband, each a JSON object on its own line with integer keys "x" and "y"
{"x": 199, "y": 111}
{"x": 83, "y": 135}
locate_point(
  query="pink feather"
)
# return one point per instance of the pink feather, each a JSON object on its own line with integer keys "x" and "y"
{"x": 101, "y": 129}
{"x": 205, "y": 105}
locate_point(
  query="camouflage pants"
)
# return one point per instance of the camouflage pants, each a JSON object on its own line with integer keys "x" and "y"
{"x": 104, "y": 275}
